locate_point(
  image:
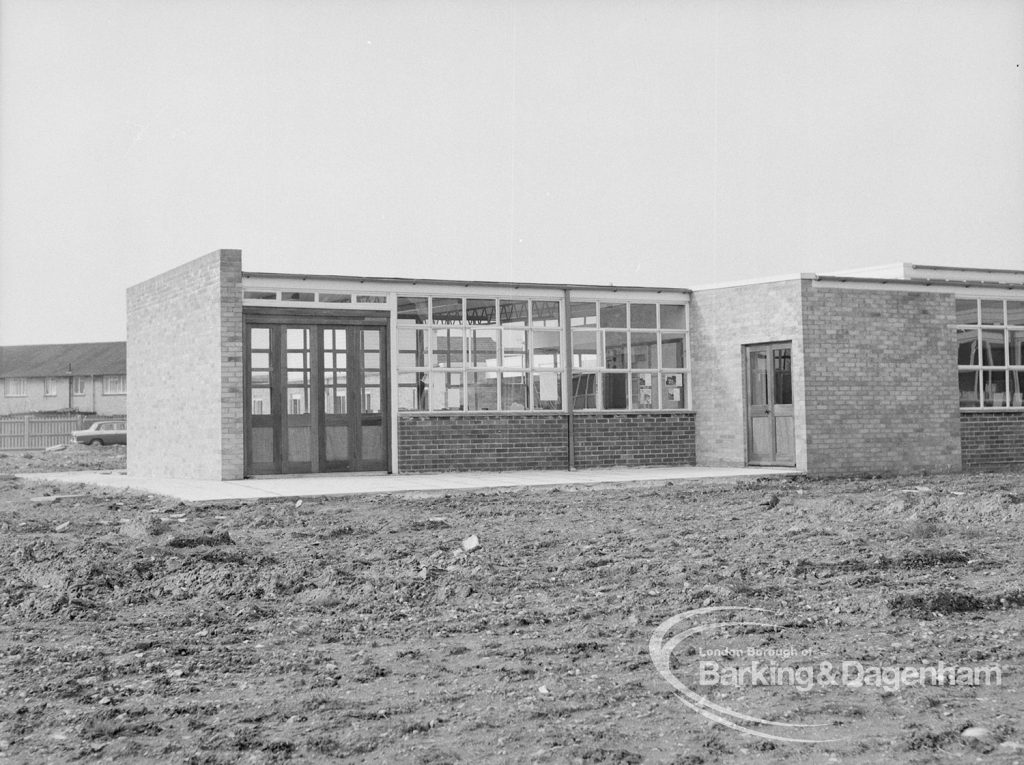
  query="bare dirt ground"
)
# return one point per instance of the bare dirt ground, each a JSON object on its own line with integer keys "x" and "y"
{"x": 74, "y": 457}
{"x": 138, "y": 629}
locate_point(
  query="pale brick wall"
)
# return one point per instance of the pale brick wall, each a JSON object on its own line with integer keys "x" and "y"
{"x": 723, "y": 320}
{"x": 881, "y": 381}
{"x": 232, "y": 332}
{"x": 185, "y": 371}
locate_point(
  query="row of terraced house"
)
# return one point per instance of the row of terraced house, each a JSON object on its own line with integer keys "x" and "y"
{"x": 86, "y": 378}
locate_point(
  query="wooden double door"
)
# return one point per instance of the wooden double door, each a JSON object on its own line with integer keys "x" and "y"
{"x": 770, "y": 424}
{"x": 317, "y": 396}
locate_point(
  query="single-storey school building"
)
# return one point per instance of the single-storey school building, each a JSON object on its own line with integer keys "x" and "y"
{"x": 904, "y": 368}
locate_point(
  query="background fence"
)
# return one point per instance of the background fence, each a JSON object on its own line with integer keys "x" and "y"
{"x": 35, "y": 431}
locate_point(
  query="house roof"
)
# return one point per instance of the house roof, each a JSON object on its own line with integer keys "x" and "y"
{"x": 54, "y": 360}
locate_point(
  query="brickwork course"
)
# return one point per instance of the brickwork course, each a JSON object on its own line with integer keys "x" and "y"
{"x": 992, "y": 440}
{"x": 431, "y": 443}
{"x": 634, "y": 439}
{"x": 880, "y": 381}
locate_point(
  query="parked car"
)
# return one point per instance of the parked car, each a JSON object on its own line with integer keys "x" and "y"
{"x": 105, "y": 433}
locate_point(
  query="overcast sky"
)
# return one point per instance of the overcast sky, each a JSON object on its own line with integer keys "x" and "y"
{"x": 650, "y": 142}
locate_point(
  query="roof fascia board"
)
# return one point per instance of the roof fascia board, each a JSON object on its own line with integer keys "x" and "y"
{"x": 376, "y": 287}
{"x": 404, "y": 284}
{"x": 965, "y": 270}
{"x": 919, "y": 285}
{"x": 753, "y": 282}
{"x": 457, "y": 290}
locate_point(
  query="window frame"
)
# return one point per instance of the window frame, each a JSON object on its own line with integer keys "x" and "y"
{"x": 15, "y": 387}
{"x": 79, "y": 385}
{"x": 465, "y": 317}
{"x": 607, "y": 323}
{"x": 998, "y": 364}
{"x": 110, "y": 389}
{"x": 49, "y": 387}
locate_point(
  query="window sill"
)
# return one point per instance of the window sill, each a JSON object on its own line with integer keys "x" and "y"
{"x": 988, "y": 409}
{"x": 492, "y": 413}
{"x": 484, "y": 412}
{"x": 631, "y": 411}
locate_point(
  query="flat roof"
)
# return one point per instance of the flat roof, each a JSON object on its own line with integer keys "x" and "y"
{"x": 919, "y": 281}
{"x": 962, "y": 269}
{"x": 899, "y": 274}
{"x": 1014, "y": 279}
{"x": 461, "y": 282}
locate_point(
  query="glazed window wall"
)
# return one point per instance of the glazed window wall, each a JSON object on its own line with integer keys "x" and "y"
{"x": 628, "y": 355}
{"x": 499, "y": 354}
{"x": 479, "y": 354}
{"x": 990, "y": 352}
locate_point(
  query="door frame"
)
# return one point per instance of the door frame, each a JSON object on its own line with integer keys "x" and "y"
{"x": 315, "y": 320}
{"x": 356, "y": 371}
{"x": 773, "y": 407}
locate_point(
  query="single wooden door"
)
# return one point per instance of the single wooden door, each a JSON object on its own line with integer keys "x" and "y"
{"x": 770, "y": 427}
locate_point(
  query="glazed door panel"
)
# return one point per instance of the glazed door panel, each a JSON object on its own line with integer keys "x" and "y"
{"x": 769, "y": 390}
{"x": 297, "y": 385}
{"x": 354, "y": 399}
{"x": 318, "y": 398}
{"x": 261, "y": 453}
{"x": 369, "y": 374}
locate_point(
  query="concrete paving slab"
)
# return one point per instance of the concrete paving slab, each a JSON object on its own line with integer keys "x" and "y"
{"x": 336, "y": 484}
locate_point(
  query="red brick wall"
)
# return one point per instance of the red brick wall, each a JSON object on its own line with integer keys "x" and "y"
{"x": 990, "y": 439}
{"x": 880, "y": 381}
{"x": 439, "y": 443}
{"x": 634, "y": 439}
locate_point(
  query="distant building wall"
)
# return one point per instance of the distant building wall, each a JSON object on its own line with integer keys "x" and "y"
{"x": 35, "y": 400}
{"x": 880, "y": 381}
{"x": 992, "y": 440}
{"x": 93, "y": 400}
{"x": 185, "y": 371}
{"x": 723, "y": 321}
